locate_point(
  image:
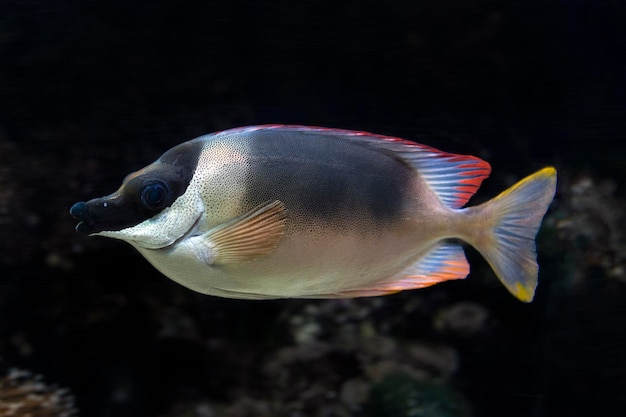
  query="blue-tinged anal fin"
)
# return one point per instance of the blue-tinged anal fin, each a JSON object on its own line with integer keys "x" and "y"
{"x": 443, "y": 262}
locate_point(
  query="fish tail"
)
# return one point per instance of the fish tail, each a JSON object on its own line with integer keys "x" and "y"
{"x": 514, "y": 219}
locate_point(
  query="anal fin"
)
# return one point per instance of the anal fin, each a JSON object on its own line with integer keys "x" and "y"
{"x": 443, "y": 262}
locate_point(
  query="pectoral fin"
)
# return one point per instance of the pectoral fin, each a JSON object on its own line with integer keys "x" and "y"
{"x": 250, "y": 236}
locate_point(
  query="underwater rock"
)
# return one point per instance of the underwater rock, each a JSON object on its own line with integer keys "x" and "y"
{"x": 463, "y": 319}
{"x": 402, "y": 396}
{"x": 590, "y": 221}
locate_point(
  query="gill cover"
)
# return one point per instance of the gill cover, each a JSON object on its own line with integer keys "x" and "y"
{"x": 153, "y": 207}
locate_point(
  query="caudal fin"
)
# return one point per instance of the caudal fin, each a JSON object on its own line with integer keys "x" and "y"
{"x": 516, "y": 216}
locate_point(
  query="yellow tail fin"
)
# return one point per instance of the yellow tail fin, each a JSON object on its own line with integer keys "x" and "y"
{"x": 516, "y": 216}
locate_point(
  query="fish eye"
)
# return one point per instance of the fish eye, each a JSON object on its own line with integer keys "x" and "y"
{"x": 154, "y": 195}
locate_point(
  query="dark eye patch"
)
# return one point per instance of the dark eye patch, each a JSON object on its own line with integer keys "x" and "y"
{"x": 143, "y": 194}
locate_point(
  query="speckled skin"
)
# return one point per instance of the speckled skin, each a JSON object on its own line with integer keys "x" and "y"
{"x": 351, "y": 215}
{"x": 358, "y": 218}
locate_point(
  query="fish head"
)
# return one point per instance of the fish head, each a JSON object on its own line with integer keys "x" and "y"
{"x": 153, "y": 207}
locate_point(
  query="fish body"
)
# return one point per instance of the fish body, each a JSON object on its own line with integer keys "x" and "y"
{"x": 279, "y": 211}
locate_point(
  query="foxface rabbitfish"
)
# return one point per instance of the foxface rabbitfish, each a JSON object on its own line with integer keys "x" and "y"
{"x": 293, "y": 211}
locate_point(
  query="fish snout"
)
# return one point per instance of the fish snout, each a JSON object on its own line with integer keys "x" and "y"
{"x": 80, "y": 211}
{"x": 109, "y": 213}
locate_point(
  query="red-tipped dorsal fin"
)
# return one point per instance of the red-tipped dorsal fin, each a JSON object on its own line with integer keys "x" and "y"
{"x": 453, "y": 178}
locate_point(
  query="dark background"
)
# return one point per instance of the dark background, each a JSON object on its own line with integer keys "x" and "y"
{"x": 92, "y": 90}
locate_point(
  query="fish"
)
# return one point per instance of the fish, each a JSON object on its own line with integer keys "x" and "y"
{"x": 290, "y": 211}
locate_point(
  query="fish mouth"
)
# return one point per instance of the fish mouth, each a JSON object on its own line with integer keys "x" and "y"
{"x": 80, "y": 211}
{"x": 109, "y": 213}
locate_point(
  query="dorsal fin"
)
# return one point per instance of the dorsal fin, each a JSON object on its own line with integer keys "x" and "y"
{"x": 452, "y": 177}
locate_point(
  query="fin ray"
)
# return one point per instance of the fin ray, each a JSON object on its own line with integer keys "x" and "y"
{"x": 510, "y": 246}
{"x": 454, "y": 178}
{"x": 445, "y": 261}
{"x": 249, "y": 236}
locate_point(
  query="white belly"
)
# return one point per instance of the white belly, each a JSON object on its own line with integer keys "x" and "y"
{"x": 306, "y": 266}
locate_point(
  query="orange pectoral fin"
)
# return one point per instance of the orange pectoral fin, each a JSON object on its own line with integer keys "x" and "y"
{"x": 249, "y": 236}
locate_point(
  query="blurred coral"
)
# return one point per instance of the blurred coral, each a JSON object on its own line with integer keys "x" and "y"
{"x": 25, "y": 395}
{"x": 590, "y": 221}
